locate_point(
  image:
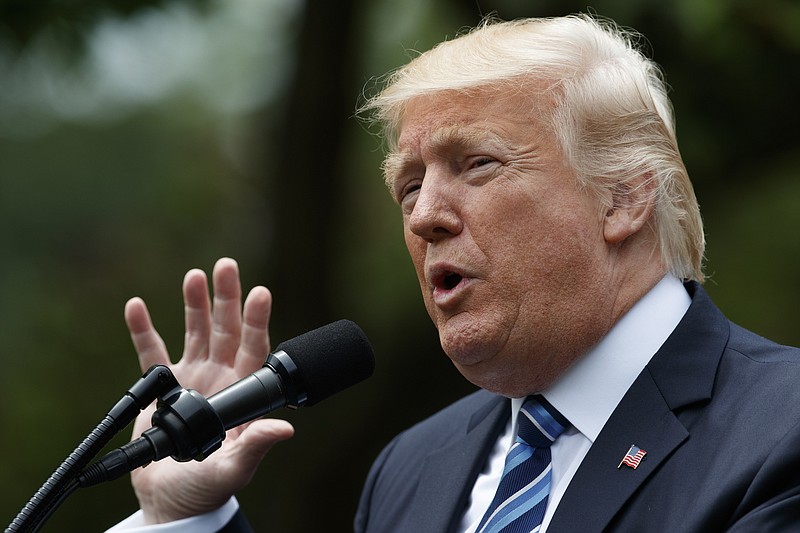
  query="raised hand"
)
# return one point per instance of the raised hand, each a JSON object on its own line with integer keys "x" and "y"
{"x": 223, "y": 343}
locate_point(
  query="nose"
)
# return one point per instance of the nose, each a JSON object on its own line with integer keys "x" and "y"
{"x": 435, "y": 212}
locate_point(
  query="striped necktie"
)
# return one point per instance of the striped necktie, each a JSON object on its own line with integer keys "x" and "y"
{"x": 521, "y": 498}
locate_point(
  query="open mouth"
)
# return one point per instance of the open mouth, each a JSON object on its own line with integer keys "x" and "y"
{"x": 450, "y": 281}
{"x": 448, "y": 284}
{"x": 446, "y": 280}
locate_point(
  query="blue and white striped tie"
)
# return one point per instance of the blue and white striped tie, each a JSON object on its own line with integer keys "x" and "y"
{"x": 521, "y": 498}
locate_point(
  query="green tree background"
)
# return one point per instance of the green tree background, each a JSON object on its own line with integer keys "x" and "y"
{"x": 144, "y": 138}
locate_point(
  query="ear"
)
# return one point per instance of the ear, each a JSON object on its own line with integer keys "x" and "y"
{"x": 632, "y": 207}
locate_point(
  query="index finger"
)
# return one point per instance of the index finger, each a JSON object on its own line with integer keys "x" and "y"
{"x": 147, "y": 342}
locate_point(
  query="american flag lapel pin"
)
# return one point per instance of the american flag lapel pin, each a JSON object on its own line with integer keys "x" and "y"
{"x": 633, "y": 457}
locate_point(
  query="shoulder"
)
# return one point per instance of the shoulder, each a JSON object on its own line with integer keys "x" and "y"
{"x": 749, "y": 374}
{"x": 440, "y": 428}
{"x": 732, "y": 362}
{"x": 753, "y": 384}
{"x": 761, "y": 350}
{"x": 393, "y": 481}
{"x": 761, "y": 375}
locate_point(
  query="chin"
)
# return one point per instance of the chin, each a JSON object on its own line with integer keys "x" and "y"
{"x": 469, "y": 342}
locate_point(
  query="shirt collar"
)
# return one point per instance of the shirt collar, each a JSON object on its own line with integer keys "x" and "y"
{"x": 589, "y": 391}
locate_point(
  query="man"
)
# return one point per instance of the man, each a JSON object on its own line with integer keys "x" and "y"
{"x": 558, "y": 245}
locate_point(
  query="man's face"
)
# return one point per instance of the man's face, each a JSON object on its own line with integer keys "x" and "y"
{"x": 509, "y": 251}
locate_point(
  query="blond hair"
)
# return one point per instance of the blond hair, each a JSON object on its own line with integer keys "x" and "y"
{"x": 612, "y": 115}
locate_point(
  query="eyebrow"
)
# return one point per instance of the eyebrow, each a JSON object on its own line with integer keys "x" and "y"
{"x": 394, "y": 165}
{"x": 444, "y": 140}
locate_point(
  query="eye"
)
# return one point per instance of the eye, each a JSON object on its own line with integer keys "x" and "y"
{"x": 407, "y": 192}
{"x": 479, "y": 169}
{"x": 480, "y": 162}
{"x": 411, "y": 187}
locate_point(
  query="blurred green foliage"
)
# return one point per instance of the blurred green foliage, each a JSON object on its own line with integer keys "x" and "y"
{"x": 167, "y": 136}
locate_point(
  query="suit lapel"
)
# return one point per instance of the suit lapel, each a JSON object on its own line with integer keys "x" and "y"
{"x": 450, "y": 472}
{"x": 681, "y": 373}
{"x": 600, "y": 488}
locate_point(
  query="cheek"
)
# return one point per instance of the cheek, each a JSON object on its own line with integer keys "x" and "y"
{"x": 417, "y": 248}
{"x": 547, "y": 237}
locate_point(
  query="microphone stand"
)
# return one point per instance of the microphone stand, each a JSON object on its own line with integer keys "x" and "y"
{"x": 157, "y": 382}
{"x": 185, "y": 427}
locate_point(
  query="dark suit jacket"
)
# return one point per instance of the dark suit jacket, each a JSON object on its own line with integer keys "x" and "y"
{"x": 717, "y": 409}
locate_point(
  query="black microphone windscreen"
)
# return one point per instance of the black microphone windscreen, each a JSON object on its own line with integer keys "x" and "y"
{"x": 330, "y": 359}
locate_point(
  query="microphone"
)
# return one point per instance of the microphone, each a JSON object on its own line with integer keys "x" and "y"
{"x": 300, "y": 372}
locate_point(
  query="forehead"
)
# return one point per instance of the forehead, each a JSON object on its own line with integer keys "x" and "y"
{"x": 448, "y": 117}
{"x": 449, "y": 122}
{"x": 513, "y": 111}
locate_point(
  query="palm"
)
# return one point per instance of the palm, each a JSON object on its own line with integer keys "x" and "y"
{"x": 222, "y": 345}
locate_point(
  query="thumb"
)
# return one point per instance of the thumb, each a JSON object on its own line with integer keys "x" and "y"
{"x": 258, "y": 438}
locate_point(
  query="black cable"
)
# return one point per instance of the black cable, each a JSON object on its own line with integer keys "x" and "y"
{"x": 64, "y": 494}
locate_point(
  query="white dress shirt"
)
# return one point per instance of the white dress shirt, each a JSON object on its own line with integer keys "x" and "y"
{"x": 205, "y": 523}
{"x": 586, "y": 395}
